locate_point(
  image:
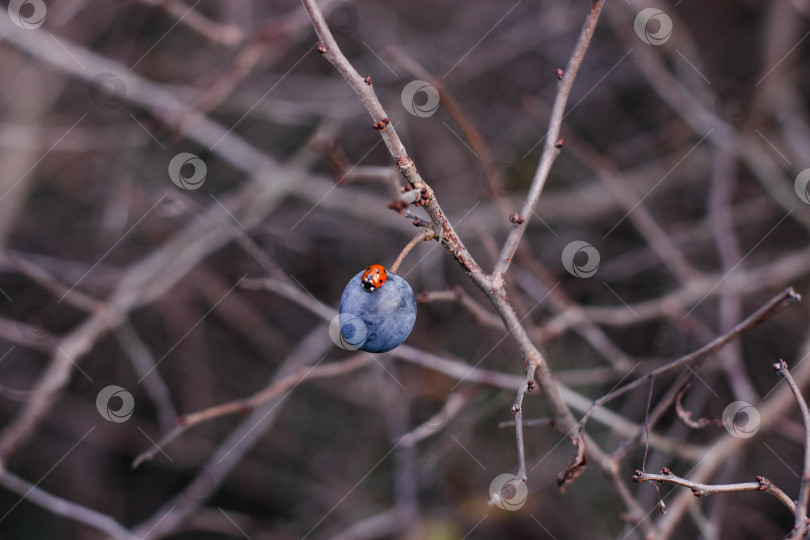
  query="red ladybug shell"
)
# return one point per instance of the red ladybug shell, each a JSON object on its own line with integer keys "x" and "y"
{"x": 374, "y": 276}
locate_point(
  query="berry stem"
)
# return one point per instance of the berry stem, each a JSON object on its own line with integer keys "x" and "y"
{"x": 427, "y": 234}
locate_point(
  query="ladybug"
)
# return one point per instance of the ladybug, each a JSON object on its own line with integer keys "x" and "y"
{"x": 374, "y": 276}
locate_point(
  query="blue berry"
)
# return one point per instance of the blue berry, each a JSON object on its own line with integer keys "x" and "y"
{"x": 378, "y": 320}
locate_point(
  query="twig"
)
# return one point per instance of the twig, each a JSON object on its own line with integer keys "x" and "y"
{"x": 144, "y": 364}
{"x": 421, "y": 237}
{"x": 233, "y": 449}
{"x": 405, "y": 469}
{"x": 562, "y": 303}
{"x": 216, "y": 32}
{"x": 63, "y": 507}
{"x": 27, "y": 335}
{"x": 479, "y": 314}
{"x": 328, "y": 47}
{"x": 693, "y": 365}
{"x": 551, "y": 148}
{"x": 49, "y": 282}
{"x": 454, "y": 405}
{"x": 456, "y": 111}
{"x": 772, "y": 307}
{"x": 727, "y": 244}
{"x": 800, "y": 527}
{"x": 773, "y": 274}
{"x": 187, "y": 421}
{"x": 686, "y": 416}
{"x": 703, "y": 490}
{"x": 294, "y": 379}
{"x": 636, "y": 211}
{"x": 771, "y": 411}
{"x": 378, "y": 525}
{"x": 517, "y": 410}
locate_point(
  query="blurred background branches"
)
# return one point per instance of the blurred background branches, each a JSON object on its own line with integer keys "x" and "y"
{"x": 148, "y": 298}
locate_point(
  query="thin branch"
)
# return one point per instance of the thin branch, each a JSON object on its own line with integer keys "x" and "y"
{"x": 300, "y": 375}
{"x": 785, "y": 270}
{"x": 562, "y": 303}
{"x": 144, "y": 364}
{"x": 188, "y": 421}
{"x": 686, "y": 415}
{"x": 27, "y": 335}
{"x": 455, "y": 404}
{"x": 445, "y": 233}
{"x": 233, "y": 448}
{"x": 782, "y": 300}
{"x": 772, "y": 411}
{"x": 478, "y": 313}
{"x": 637, "y": 212}
{"x": 47, "y": 281}
{"x": 421, "y": 237}
{"x": 517, "y": 410}
{"x": 63, "y": 507}
{"x": 216, "y": 32}
{"x": 385, "y": 523}
{"x": 703, "y": 490}
{"x": 552, "y": 146}
{"x": 727, "y": 244}
{"x": 800, "y": 527}
{"x": 456, "y": 111}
